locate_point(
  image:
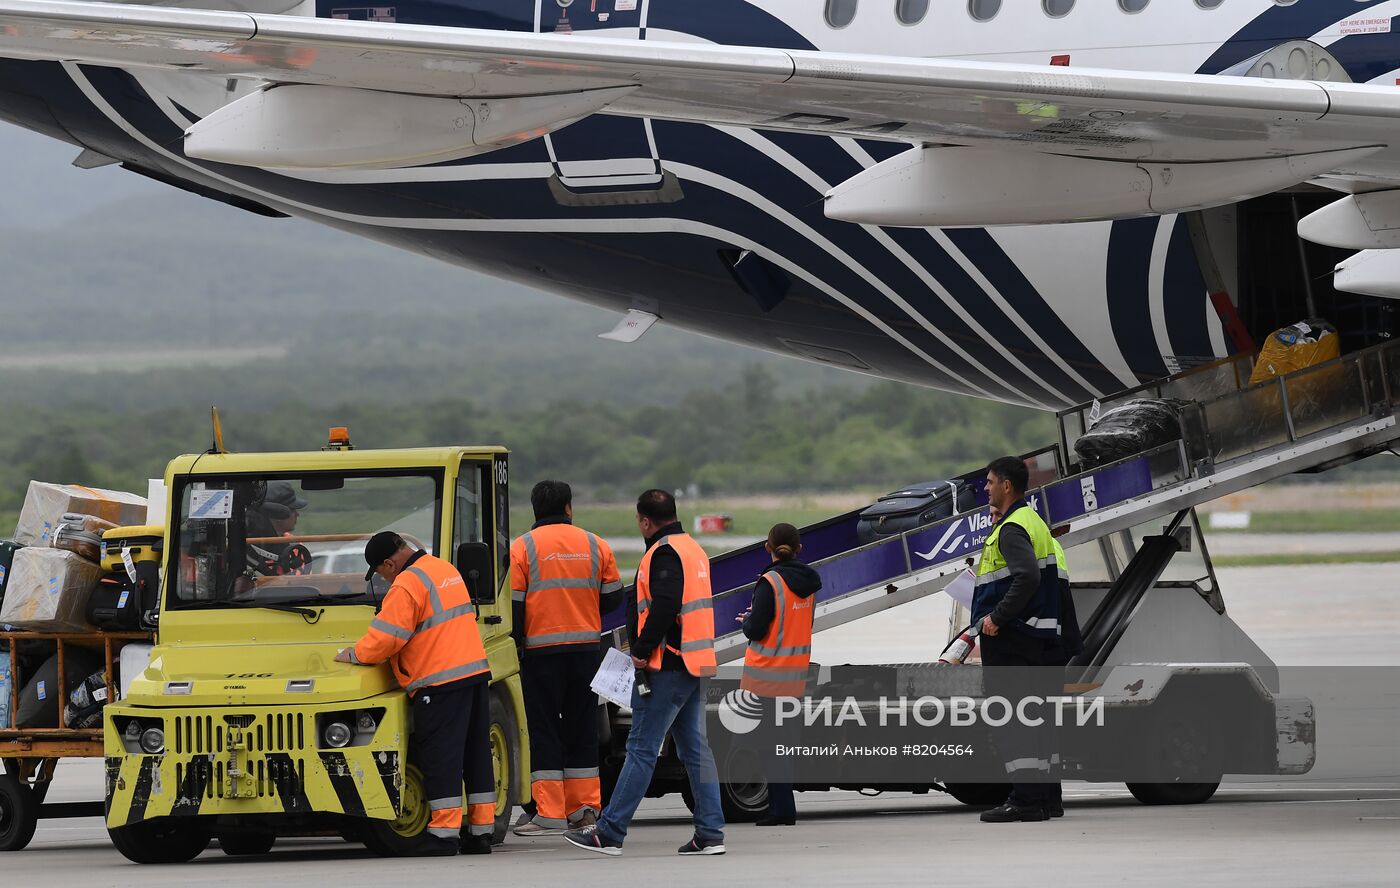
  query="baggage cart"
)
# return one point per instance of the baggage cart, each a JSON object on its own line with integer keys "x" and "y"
{"x": 30, "y": 756}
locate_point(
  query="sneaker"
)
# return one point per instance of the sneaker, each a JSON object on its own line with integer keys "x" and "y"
{"x": 475, "y": 844}
{"x": 697, "y": 846}
{"x": 1010, "y": 812}
{"x": 535, "y": 828}
{"x": 589, "y": 839}
{"x": 526, "y": 815}
{"x": 582, "y": 817}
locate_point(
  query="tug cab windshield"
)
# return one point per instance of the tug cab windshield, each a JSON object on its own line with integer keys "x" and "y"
{"x": 269, "y": 540}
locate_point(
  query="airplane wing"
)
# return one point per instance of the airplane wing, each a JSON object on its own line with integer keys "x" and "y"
{"x": 1054, "y": 144}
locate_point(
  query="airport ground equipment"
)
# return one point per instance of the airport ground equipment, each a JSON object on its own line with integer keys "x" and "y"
{"x": 242, "y": 728}
{"x": 1124, "y": 525}
{"x": 30, "y": 756}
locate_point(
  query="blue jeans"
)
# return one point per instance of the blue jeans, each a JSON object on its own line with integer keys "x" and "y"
{"x": 676, "y": 704}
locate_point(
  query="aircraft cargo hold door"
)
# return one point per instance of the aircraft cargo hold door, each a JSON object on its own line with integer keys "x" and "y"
{"x": 605, "y": 159}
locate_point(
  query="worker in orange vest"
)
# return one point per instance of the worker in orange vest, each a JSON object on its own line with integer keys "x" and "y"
{"x": 562, "y": 580}
{"x": 427, "y": 631}
{"x": 778, "y": 625}
{"x": 671, "y": 627}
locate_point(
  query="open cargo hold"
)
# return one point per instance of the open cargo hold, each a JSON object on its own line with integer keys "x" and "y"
{"x": 45, "y": 505}
{"x": 48, "y": 590}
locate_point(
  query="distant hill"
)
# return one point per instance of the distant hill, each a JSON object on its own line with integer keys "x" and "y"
{"x": 162, "y": 294}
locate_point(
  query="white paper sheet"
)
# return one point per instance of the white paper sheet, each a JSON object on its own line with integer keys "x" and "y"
{"x": 961, "y": 588}
{"x": 614, "y": 679}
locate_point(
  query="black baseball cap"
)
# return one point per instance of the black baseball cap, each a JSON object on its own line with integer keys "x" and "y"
{"x": 380, "y": 548}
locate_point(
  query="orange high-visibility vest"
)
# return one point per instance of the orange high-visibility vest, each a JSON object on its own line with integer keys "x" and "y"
{"x": 697, "y": 616}
{"x": 558, "y": 571}
{"x": 426, "y": 628}
{"x": 776, "y": 664}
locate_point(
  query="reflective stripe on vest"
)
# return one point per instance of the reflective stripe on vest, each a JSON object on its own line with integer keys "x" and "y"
{"x": 563, "y": 606}
{"x": 776, "y": 664}
{"x": 697, "y": 617}
{"x": 1041, "y": 615}
{"x": 446, "y": 644}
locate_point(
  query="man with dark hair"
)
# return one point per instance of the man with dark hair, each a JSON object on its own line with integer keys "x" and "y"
{"x": 670, "y": 622}
{"x": 1029, "y": 631}
{"x": 562, "y": 580}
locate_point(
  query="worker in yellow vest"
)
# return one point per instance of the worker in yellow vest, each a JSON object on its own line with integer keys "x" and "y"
{"x": 778, "y": 625}
{"x": 671, "y": 628}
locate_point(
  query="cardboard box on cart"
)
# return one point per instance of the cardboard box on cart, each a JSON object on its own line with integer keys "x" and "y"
{"x": 48, "y": 591}
{"x": 45, "y": 505}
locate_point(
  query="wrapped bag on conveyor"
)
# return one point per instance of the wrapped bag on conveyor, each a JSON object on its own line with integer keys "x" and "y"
{"x": 45, "y": 505}
{"x": 914, "y": 506}
{"x": 1129, "y": 428}
{"x": 48, "y": 590}
{"x": 1304, "y": 344}
{"x": 38, "y": 702}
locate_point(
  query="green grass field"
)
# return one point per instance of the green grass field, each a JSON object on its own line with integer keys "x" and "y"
{"x": 1375, "y": 520}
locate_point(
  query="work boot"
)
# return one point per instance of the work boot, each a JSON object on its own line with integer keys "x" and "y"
{"x": 471, "y": 844}
{"x": 1012, "y": 812}
{"x": 433, "y": 846}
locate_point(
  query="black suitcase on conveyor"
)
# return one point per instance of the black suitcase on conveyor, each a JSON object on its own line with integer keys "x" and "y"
{"x": 914, "y": 506}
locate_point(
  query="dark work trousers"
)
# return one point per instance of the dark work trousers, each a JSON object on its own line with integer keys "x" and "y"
{"x": 1016, "y": 665}
{"x": 451, "y": 745}
{"x": 562, "y": 711}
{"x": 778, "y": 769}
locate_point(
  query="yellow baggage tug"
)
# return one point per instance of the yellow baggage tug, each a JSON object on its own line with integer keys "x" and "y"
{"x": 242, "y": 727}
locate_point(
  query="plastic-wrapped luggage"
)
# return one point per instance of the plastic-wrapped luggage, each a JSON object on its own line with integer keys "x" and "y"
{"x": 45, "y": 505}
{"x": 38, "y": 701}
{"x": 1131, "y": 427}
{"x": 914, "y": 506}
{"x": 8, "y": 548}
{"x": 81, "y": 534}
{"x": 48, "y": 590}
{"x": 85, "y": 702}
{"x": 1304, "y": 344}
{"x": 6, "y": 682}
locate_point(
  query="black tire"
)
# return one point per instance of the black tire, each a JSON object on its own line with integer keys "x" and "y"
{"x": 246, "y": 843}
{"x": 505, "y": 761}
{"x": 19, "y": 813}
{"x": 740, "y": 802}
{"x": 163, "y": 840}
{"x": 1172, "y": 793}
{"x": 979, "y": 795}
{"x": 402, "y": 836}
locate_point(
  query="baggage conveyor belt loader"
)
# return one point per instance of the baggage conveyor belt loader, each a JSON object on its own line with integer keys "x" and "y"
{"x": 1153, "y": 616}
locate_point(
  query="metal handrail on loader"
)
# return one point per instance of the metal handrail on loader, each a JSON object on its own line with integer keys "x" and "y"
{"x": 1243, "y": 436}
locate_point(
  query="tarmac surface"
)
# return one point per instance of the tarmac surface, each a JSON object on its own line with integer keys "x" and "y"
{"x": 1306, "y": 832}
